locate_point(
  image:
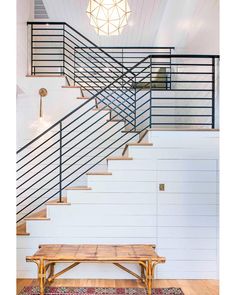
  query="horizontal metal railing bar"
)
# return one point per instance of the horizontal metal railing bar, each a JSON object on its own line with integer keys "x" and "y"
{"x": 45, "y": 73}
{"x": 46, "y": 53}
{"x": 135, "y": 47}
{"x": 46, "y": 23}
{"x": 185, "y": 98}
{"x": 84, "y": 79}
{"x": 70, "y": 113}
{"x": 190, "y": 73}
{"x": 64, "y": 136}
{"x": 190, "y": 124}
{"x": 55, "y": 168}
{"x": 186, "y": 55}
{"x": 47, "y": 41}
{"x": 107, "y": 92}
{"x": 127, "y": 62}
{"x": 122, "y": 57}
{"x": 47, "y": 60}
{"x": 25, "y": 156}
{"x": 74, "y": 180}
{"x": 47, "y": 35}
{"x": 54, "y": 151}
{"x": 81, "y": 35}
{"x": 46, "y": 29}
{"x": 62, "y": 139}
{"x": 182, "y": 64}
{"x": 115, "y": 61}
{"x": 182, "y": 107}
{"x": 177, "y": 115}
{"x": 79, "y": 168}
{"x": 184, "y": 89}
{"x": 67, "y": 142}
{"x": 47, "y": 66}
{"x": 86, "y": 52}
{"x": 124, "y": 110}
{"x": 62, "y": 153}
{"x": 66, "y": 170}
{"x": 184, "y": 81}
{"x": 77, "y": 63}
{"x": 46, "y": 47}
{"x": 153, "y": 80}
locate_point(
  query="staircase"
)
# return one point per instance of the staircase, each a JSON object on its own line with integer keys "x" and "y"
{"x": 57, "y": 171}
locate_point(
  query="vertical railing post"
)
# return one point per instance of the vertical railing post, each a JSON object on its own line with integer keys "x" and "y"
{"x": 63, "y": 72}
{"x": 213, "y": 94}
{"x": 170, "y": 69}
{"x": 31, "y": 50}
{"x": 135, "y": 103}
{"x": 150, "y": 104}
{"x": 75, "y": 52}
{"x": 60, "y": 165}
{"x": 122, "y": 62}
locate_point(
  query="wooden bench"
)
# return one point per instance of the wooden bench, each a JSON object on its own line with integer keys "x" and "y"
{"x": 48, "y": 255}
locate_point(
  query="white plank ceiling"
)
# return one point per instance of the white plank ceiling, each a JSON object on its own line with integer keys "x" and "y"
{"x": 142, "y": 29}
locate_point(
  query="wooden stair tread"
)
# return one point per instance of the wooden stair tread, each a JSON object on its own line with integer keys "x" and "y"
{"x": 99, "y": 173}
{"x": 78, "y": 188}
{"x": 140, "y": 144}
{"x": 135, "y": 144}
{"x": 101, "y": 109}
{"x": 126, "y": 131}
{"x": 40, "y": 215}
{"x": 119, "y": 158}
{"x": 83, "y": 97}
{"x": 36, "y": 218}
{"x": 56, "y": 202}
{"x": 21, "y": 230}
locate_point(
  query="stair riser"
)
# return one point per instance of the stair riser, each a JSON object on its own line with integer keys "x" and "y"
{"x": 110, "y": 198}
{"x": 123, "y": 176}
{"x": 80, "y": 211}
{"x": 64, "y": 227}
{"x": 125, "y": 187}
{"x": 131, "y": 165}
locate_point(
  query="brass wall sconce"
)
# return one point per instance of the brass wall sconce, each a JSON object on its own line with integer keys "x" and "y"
{"x": 42, "y": 92}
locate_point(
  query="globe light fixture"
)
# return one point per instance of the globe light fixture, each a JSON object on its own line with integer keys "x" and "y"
{"x": 108, "y": 17}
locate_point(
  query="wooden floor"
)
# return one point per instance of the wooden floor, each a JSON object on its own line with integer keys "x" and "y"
{"x": 189, "y": 287}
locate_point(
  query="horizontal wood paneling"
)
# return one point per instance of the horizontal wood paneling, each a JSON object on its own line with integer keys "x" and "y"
{"x": 127, "y": 207}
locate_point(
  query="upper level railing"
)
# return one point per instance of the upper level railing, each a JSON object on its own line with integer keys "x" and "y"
{"x": 164, "y": 90}
{"x": 57, "y": 48}
{"x": 127, "y": 57}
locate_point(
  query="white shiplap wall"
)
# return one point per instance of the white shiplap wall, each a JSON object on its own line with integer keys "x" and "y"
{"x": 127, "y": 207}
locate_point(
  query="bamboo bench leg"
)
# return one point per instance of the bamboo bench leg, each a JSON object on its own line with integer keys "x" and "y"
{"x": 41, "y": 277}
{"x": 150, "y": 275}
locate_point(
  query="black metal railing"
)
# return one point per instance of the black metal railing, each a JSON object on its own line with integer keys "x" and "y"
{"x": 79, "y": 141}
{"x": 161, "y": 90}
{"x": 58, "y": 49}
{"x": 127, "y": 57}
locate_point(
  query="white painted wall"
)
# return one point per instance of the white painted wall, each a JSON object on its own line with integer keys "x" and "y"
{"x": 24, "y": 14}
{"x": 127, "y": 207}
{"x": 190, "y": 26}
